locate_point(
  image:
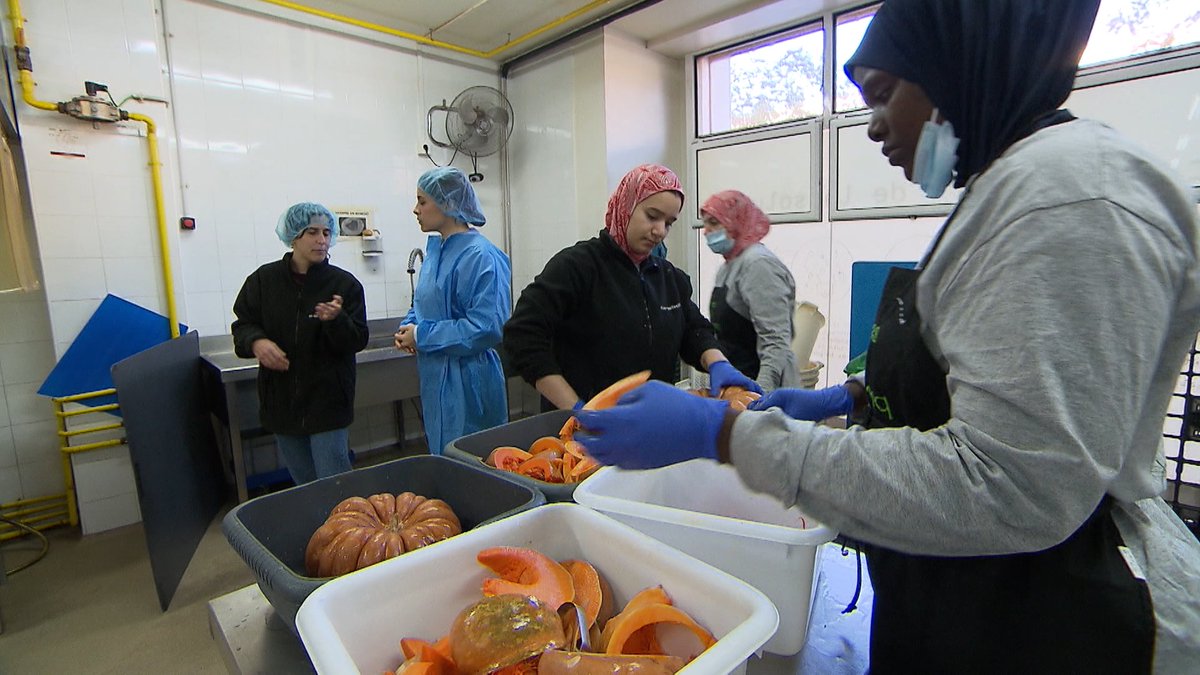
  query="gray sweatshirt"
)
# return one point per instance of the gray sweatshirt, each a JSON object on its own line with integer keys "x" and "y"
{"x": 1062, "y": 301}
{"x": 760, "y": 288}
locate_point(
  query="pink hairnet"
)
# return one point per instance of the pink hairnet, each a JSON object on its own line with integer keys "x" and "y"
{"x": 744, "y": 222}
{"x": 638, "y": 184}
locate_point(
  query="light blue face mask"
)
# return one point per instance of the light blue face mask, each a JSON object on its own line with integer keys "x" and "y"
{"x": 718, "y": 242}
{"x": 936, "y": 155}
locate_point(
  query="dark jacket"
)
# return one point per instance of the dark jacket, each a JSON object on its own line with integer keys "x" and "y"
{"x": 593, "y": 317}
{"x": 316, "y": 393}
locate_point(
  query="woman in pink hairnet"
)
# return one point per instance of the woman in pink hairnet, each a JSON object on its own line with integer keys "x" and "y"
{"x": 605, "y": 308}
{"x": 752, "y": 298}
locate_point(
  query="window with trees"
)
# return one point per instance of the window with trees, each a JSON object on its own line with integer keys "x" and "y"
{"x": 770, "y": 81}
{"x": 780, "y": 78}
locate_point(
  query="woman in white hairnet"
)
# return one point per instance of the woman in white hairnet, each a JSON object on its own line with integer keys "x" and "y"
{"x": 753, "y": 294}
{"x": 462, "y": 300}
{"x": 304, "y": 320}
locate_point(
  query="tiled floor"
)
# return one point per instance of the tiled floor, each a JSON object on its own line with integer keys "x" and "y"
{"x": 90, "y": 605}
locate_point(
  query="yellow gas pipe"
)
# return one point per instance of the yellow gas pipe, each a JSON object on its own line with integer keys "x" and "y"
{"x": 25, "y": 73}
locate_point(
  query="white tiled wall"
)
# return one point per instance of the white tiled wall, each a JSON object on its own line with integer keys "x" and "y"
{"x": 558, "y": 103}
{"x": 29, "y": 458}
{"x": 574, "y": 110}
{"x": 263, "y": 112}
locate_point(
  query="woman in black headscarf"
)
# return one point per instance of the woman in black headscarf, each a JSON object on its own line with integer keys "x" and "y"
{"x": 1006, "y": 487}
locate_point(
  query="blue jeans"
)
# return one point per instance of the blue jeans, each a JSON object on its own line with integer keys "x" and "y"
{"x": 316, "y": 455}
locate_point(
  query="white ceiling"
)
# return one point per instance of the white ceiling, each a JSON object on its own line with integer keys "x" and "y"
{"x": 673, "y": 27}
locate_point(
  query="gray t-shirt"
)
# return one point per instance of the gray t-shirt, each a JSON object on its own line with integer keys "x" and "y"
{"x": 760, "y": 288}
{"x": 1062, "y": 300}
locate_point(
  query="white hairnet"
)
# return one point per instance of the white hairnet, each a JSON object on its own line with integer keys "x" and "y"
{"x": 449, "y": 188}
{"x": 299, "y": 217}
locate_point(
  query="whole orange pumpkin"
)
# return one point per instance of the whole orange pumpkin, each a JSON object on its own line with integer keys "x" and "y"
{"x": 361, "y": 532}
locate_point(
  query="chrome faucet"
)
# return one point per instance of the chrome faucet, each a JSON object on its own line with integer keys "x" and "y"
{"x": 412, "y": 271}
{"x": 412, "y": 259}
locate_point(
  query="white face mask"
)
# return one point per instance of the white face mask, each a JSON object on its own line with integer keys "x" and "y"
{"x": 936, "y": 155}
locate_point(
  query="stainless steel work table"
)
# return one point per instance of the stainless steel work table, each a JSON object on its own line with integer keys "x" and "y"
{"x": 252, "y": 639}
{"x": 384, "y": 374}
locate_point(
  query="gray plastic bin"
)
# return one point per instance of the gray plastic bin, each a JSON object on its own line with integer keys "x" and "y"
{"x": 474, "y": 448}
{"x": 272, "y": 531}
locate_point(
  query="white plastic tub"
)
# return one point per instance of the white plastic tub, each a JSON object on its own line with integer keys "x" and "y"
{"x": 353, "y": 624}
{"x": 703, "y": 509}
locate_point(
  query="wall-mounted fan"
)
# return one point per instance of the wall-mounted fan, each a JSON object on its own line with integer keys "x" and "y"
{"x": 478, "y": 123}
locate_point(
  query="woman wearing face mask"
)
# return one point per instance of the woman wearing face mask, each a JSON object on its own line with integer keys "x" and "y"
{"x": 753, "y": 295}
{"x": 459, "y": 308}
{"x": 1007, "y": 491}
{"x": 605, "y": 308}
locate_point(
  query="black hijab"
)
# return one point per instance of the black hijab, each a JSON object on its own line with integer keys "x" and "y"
{"x": 994, "y": 68}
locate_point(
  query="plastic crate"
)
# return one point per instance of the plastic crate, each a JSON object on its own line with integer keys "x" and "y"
{"x": 354, "y": 623}
{"x": 474, "y": 448}
{"x": 272, "y": 531}
{"x": 703, "y": 509}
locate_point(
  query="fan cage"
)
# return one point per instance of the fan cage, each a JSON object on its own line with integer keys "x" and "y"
{"x": 460, "y": 134}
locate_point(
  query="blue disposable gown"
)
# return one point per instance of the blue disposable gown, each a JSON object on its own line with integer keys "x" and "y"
{"x": 463, "y": 298}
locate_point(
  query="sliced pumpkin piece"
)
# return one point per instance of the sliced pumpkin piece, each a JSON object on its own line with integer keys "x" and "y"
{"x": 524, "y": 571}
{"x": 543, "y": 467}
{"x": 653, "y": 595}
{"x": 589, "y": 590}
{"x": 507, "y": 457}
{"x": 547, "y": 444}
{"x": 605, "y": 399}
{"x": 582, "y": 469}
{"x": 629, "y": 623}
{"x": 426, "y": 658}
{"x": 739, "y": 397}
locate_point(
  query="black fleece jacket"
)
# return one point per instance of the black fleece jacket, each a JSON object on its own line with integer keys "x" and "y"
{"x": 316, "y": 392}
{"x": 593, "y": 317}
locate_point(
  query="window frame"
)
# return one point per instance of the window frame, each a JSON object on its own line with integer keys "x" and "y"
{"x": 747, "y": 45}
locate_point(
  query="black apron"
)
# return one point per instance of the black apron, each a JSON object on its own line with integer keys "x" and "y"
{"x": 1073, "y": 608}
{"x": 739, "y": 340}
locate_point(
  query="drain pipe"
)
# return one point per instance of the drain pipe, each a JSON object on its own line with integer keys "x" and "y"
{"x": 94, "y": 109}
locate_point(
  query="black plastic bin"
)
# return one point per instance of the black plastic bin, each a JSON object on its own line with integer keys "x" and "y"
{"x": 272, "y": 531}
{"x": 475, "y": 448}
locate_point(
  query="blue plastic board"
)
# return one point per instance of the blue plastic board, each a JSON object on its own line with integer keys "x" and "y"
{"x": 866, "y": 285}
{"x": 117, "y": 330}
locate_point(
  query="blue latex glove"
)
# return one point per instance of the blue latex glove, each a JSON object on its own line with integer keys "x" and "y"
{"x": 813, "y": 405}
{"x": 578, "y": 405}
{"x": 652, "y": 426}
{"x": 722, "y": 374}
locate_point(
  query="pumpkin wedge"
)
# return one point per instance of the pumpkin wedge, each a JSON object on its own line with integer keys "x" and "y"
{"x": 507, "y": 457}
{"x": 422, "y": 657}
{"x": 589, "y": 590}
{"x": 636, "y": 629}
{"x": 524, "y": 571}
{"x": 543, "y": 467}
{"x": 547, "y": 444}
{"x": 605, "y": 399}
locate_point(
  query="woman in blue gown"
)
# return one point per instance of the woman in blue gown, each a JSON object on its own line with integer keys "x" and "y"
{"x": 462, "y": 299}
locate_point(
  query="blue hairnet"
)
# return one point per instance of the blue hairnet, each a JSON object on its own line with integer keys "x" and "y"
{"x": 452, "y": 192}
{"x": 298, "y": 217}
